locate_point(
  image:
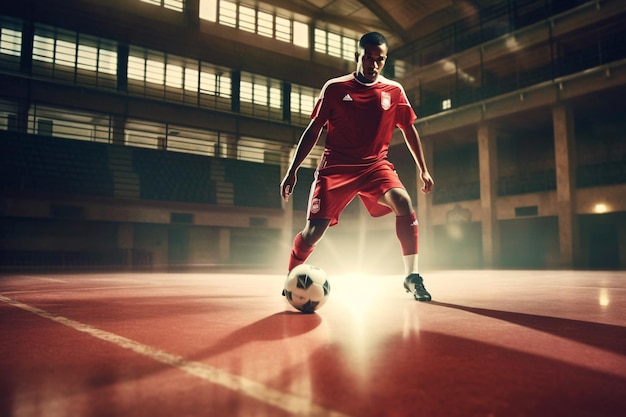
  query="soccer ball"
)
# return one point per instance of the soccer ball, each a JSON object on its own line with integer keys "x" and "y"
{"x": 306, "y": 288}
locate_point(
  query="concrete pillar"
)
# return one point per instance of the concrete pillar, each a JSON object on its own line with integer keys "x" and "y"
{"x": 223, "y": 246}
{"x": 488, "y": 163}
{"x": 227, "y": 146}
{"x": 126, "y": 239}
{"x": 565, "y": 163}
{"x": 192, "y": 13}
{"x": 118, "y": 129}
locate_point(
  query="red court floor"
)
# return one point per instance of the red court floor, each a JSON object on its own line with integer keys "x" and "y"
{"x": 492, "y": 343}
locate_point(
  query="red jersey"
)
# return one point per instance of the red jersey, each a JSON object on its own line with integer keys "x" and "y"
{"x": 361, "y": 118}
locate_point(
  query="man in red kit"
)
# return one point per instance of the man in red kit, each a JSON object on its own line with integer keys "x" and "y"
{"x": 361, "y": 111}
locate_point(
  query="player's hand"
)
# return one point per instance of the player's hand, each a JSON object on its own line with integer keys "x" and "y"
{"x": 287, "y": 186}
{"x": 428, "y": 182}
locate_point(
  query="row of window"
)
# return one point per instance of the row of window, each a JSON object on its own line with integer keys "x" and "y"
{"x": 82, "y": 59}
{"x": 105, "y": 128}
{"x": 269, "y": 24}
{"x": 177, "y": 5}
{"x": 252, "y": 20}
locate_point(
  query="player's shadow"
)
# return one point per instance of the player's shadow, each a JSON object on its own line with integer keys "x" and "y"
{"x": 604, "y": 336}
{"x": 278, "y": 326}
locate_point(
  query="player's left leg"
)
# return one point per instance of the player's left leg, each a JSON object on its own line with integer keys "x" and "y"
{"x": 407, "y": 232}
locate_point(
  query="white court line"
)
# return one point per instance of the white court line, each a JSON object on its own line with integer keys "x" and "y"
{"x": 50, "y": 279}
{"x": 40, "y": 278}
{"x": 68, "y": 290}
{"x": 289, "y": 402}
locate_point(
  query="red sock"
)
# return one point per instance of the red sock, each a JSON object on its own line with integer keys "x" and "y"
{"x": 407, "y": 232}
{"x": 300, "y": 251}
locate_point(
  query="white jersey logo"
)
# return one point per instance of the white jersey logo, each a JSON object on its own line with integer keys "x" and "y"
{"x": 347, "y": 98}
{"x": 385, "y": 100}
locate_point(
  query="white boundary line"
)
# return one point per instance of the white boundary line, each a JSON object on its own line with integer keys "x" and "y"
{"x": 289, "y": 402}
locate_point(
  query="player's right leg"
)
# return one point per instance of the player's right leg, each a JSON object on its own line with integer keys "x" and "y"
{"x": 305, "y": 241}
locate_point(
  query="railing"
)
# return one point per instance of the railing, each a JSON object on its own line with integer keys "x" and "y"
{"x": 609, "y": 173}
{"x": 54, "y": 165}
{"x": 457, "y": 69}
{"x": 65, "y": 259}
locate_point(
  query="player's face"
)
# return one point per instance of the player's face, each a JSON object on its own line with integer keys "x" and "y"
{"x": 370, "y": 62}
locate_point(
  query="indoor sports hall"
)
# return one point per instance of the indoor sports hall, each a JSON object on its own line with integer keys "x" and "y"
{"x": 144, "y": 243}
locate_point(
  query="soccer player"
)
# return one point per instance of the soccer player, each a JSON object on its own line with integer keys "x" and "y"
{"x": 361, "y": 111}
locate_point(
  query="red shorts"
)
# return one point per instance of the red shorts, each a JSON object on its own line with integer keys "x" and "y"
{"x": 336, "y": 186}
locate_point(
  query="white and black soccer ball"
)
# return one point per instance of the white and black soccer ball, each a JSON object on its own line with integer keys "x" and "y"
{"x": 307, "y": 288}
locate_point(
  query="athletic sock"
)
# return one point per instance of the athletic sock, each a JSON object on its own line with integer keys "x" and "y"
{"x": 410, "y": 264}
{"x": 300, "y": 252}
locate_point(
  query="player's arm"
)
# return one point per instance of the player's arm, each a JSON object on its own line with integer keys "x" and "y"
{"x": 307, "y": 141}
{"x": 415, "y": 145}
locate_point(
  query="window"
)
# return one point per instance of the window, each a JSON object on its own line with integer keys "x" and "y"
{"x": 215, "y": 81}
{"x": 185, "y": 139}
{"x": 333, "y": 44}
{"x": 10, "y": 41}
{"x": 93, "y": 56}
{"x": 215, "y": 89}
{"x": 161, "y": 75}
{"x": 261, "y": 96}
{"x": 174, "y": 76}
{"x": 157, "y": 68}
{"x": 136, "y": 67}
{"x": 87, "y": 58}
{"x": 247, "y": 19}
{"x": 400, "y": 68}
{"x": 283, "y": 29}
{"x": 144, "y": 134}
{"x": 208, "y": 10}
{"x": 78, "y": 58}
{"x": 260, "y": 90}
{"x": 69, "y": 124}
{"x": 348, "y": 48}
{"x": 176, "y": 5}
{"x": 246, "y": 93}
{"x": 302, "y": 103}
{"x": 155, "y": 71}
{"x": 446, "y": 104}
{"x": 302, "y": 99}
{"x": 256, "y": 149}
{"x": 146, "y": 72}
{"x": 107, "y": 61}
{"x": 336, "y": 45}
{"x": 301, "y": 34}
{"x": 43, "y": 49}
{"x": 265, "y": 22}
{"x": 255, "y": 20}
{"x": 228, "y": 14}
{"x": 65, "y": 53}
{"x": 191, "y": 79}
{"x": 8, "y": 115}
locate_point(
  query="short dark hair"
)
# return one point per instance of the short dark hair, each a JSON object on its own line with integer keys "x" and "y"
{"x": 372, "y": 38}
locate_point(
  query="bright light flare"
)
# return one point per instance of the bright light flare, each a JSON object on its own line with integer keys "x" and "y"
{"x": 357, "y": 291}
{"x": 512, "y": 43}
{"x": 603, "y": 298}
{"x": 600, "y": 208}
